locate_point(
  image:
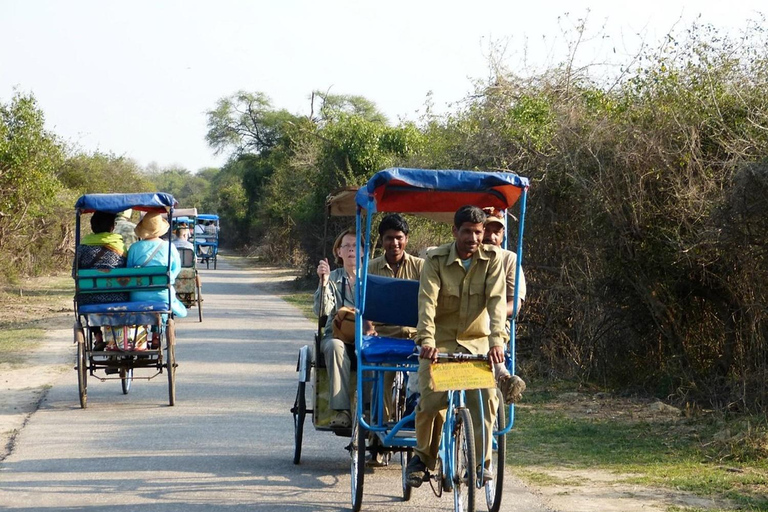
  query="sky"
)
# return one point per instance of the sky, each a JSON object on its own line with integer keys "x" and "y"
{"x": 135, "y": 78}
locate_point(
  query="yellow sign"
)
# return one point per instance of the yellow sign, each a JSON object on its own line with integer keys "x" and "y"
{"x": 462, "y": 375}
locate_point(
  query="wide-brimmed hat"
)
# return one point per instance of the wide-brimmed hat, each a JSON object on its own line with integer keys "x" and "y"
{"x": 492, "y": 215}
{"x": 153, "y": 225}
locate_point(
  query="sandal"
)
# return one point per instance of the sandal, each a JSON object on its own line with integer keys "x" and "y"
{"x": 154, "y": 343}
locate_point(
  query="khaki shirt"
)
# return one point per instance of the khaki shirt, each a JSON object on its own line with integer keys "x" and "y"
{"x": 410, "y": 268}
{"x": 458, "y": 307}
{"x": 510, "y": 263}
{"x": 339, "y": 291}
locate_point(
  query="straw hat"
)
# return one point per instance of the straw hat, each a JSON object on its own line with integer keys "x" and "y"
{"x": 153, "y": 225}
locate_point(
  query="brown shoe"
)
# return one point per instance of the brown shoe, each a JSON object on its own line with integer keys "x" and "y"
{"x": 512, "y": 388}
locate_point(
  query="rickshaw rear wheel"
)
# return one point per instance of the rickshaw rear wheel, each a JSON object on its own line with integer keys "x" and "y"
{"x": 299, "y": 413}
{"x": 126, "y": 379}
{"x": 215, "y": 258}
{"x": 405, "y": 458}
{"x": 494, "y": 488}
{"x": 170, "y": 346}
{"x": 199, "y": 300}
{"x": 357, "y": 473}
{"x": 464, "y": 463}
{"x": 82, "y": 366}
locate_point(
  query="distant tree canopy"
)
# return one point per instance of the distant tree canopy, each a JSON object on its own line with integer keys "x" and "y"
{"x": 98, "y": 172}
{"x": 283, "y": 166}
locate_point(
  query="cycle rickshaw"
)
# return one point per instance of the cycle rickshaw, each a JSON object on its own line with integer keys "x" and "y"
{"x": 339, "y": 203}
{"x": 207, "y": 238}
{"x": 188, "y": 285}
{"x": 124, "y": 323}
{"x": 395, "y": 301}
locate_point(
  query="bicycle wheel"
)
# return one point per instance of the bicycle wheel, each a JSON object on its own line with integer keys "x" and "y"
{"x": 170, "y": 347}
{"x": 405, "y": 458}
{"x": 82, "y": 366}
{"x": 464, "y": 472}
{"x": 198, "y": 298}
{"x": 299, "y": 413}
{"x": 357, "y": 467}
{"x": 494, "y": 488}
{"x": 126, "y": 379}
{"x": 398, "y": 396}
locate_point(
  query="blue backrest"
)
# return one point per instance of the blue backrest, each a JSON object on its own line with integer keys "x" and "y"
{"x": 392, "y": 301}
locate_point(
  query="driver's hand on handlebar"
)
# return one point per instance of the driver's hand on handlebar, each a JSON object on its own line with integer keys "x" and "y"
{"x": 496, "y": 355}
{"x": 323, "y": 271}
{"x": 428, "y": 353}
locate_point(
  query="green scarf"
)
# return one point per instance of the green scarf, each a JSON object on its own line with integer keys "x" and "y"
{"x": 113, "y": 241}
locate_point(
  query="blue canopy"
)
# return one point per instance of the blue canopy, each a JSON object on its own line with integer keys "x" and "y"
{"x": 428, "y": 190}
{"x": 116, "y": 203}
{"x": 207, "y": 216}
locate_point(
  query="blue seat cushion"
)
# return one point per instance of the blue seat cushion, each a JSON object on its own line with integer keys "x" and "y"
{"x": 124, "y": 307}
{"x": 378, "y": 349}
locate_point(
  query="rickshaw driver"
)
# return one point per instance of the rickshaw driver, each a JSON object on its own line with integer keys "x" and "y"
{"x": 462, "y": 308}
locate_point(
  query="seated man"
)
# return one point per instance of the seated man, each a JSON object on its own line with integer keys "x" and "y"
{"x": 124, "y": 227}
{"x": 396, "y": 263}
{"x": 451, "y": 319}
{"x": 511, "y": 386}
{"x": 181, "y": 237}
{"x": 101, "y": 249}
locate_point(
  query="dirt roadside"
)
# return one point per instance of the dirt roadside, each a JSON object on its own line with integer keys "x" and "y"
{"x": 24, "y": 388}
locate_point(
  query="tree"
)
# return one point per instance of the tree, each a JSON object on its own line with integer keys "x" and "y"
{"x": 245, "y": 123}
{"x": 30, "y": 193}
{"x": 103, "y": 173}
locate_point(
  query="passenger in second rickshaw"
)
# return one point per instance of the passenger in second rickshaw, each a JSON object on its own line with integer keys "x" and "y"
{"x": 181, "y": 237}
{"x": 337, "y": 289}
{"x": 462, "y": 308}
{"x": 511, "y": 386}
{"x": 124, "y": 227}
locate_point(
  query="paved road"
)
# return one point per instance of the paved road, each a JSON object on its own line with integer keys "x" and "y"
{"x": 227, "y": 444}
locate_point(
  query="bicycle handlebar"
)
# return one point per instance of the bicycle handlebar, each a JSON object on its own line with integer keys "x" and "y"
{"x": 461, "y": 357}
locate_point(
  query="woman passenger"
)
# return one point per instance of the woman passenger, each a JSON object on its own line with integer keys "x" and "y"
{"x": 336, "y": 289}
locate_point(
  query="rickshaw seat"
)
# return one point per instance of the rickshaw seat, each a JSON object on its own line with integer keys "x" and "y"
{"x": 89, "y": 281}
{"x": 378, "y": 349}
{"x": 124, "y": 307}
{"x": 187, "y": 256}
{"x": 395, "y": 302}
